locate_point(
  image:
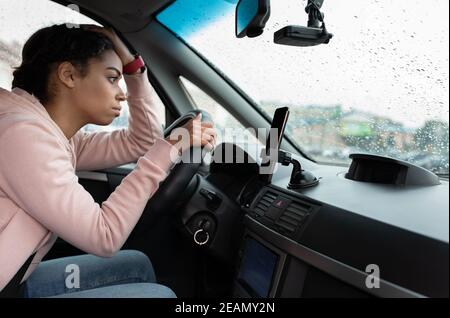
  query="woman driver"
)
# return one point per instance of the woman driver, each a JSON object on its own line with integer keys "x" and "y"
{"x": 69, "y": 78}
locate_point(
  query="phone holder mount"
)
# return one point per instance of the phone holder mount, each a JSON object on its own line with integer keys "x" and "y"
{"x": 300, "y": 178}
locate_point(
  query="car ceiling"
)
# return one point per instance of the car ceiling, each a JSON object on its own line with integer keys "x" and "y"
{"x": 126, "y": 16}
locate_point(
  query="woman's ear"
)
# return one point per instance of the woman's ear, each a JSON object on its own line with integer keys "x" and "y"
{"x": 67, "y": 74}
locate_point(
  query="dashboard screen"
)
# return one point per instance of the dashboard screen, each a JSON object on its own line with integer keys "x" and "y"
{"x": 257, "y": 268}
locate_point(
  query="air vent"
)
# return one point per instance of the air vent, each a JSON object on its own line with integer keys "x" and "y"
{"x": 265, "y": 202}
{"x": 281, "y": 212}
{"x": 293, "y": 216}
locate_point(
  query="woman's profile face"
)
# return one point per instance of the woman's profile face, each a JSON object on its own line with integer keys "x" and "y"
{"x": 97, "y": 95}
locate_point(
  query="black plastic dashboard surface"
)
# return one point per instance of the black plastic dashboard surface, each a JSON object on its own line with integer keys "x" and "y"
{"x": 405, "y": 258}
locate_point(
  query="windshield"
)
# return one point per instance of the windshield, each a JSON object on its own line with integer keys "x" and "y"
{"x": 380, "y": 86}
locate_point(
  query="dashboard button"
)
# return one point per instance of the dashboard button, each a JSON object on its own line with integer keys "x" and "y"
{"x": 281, "y": 202}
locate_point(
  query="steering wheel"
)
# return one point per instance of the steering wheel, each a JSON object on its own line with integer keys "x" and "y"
{"x": 178, "y": 179}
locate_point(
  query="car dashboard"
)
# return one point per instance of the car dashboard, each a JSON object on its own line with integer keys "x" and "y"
{"x": 341, "y": 238}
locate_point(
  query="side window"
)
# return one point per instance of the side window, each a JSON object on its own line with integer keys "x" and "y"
{"x": 19, "y": 20}
{"x": 14, "y": 32}
{"x": 229, "y": 129}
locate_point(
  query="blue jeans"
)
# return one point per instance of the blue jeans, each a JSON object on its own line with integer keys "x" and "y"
{"x": 128, "y": 274}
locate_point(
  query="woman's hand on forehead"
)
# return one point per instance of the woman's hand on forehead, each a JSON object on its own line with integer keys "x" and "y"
{"x": 121, "y": 49}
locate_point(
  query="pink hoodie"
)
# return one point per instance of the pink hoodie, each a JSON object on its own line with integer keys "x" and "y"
{"x": 40, "y": 197}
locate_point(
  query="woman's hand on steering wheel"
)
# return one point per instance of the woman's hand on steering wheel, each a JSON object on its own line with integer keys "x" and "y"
{"x": 194, "y": 133}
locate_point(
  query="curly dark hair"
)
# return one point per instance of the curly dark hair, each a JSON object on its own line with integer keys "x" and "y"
{"x": 53, "y": 45}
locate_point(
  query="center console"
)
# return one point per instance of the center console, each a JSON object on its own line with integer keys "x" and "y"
{"x": 272, "y": 262}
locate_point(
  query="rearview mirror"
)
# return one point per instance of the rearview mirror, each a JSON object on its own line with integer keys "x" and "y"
{"x": 251, "y": 17}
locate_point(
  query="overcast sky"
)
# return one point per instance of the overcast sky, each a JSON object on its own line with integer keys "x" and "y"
{"x": 388, "y": 57}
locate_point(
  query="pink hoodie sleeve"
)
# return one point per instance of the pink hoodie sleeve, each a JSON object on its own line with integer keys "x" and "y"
{"x": 41, "y": 180}
{"x": 109, "y": 149}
